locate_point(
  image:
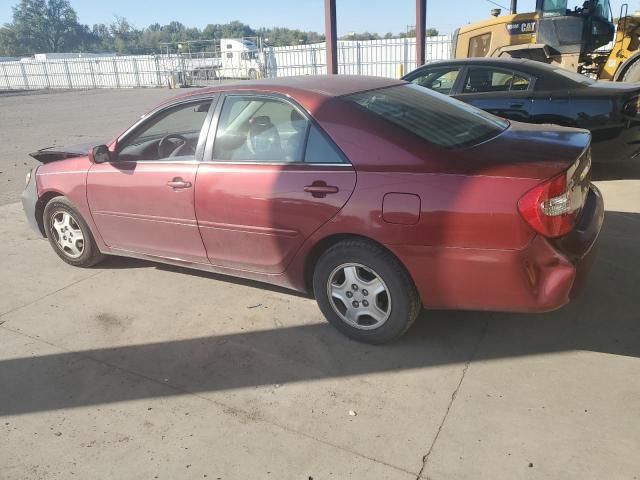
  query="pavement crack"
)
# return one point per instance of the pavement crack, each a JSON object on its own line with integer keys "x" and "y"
{"x": 425, "y": 457}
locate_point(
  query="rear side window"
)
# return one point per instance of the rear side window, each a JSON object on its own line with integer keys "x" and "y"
{"x": 259, "y": 129}
{"x": 482, "y": 79}
{"x": 435, "y": 118}
{"x": 319, "y": 150}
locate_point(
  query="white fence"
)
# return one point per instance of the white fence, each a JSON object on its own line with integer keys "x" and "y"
{"x": 374, "y": 57}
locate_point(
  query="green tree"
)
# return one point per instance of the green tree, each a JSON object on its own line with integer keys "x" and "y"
{"x": 42, "y": 26}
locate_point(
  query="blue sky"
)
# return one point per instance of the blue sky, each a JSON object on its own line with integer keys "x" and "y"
{"x": 353, "y": 15}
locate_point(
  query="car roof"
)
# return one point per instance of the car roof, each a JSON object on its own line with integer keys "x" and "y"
{"x": 503, "y": 62}
{"x": 549, "y": 76}
{"x": 311, "y": 91}
{"x": 311, "y": 87}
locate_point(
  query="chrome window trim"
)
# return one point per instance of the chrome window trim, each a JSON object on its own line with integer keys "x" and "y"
{"x": 193, "y": 161}
{"x": 299, "y": 164}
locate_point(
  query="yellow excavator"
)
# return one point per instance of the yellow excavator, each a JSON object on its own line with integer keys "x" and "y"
{"x": 580, "y": 38}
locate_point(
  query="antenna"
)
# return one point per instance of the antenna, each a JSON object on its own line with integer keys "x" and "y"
{"x": 497, "y": 4}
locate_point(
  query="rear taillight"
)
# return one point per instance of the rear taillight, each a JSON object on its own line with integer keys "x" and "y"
{"x": 552, "y": 207}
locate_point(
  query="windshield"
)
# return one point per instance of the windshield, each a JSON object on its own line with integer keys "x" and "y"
{"x": 435, "y": 118}
{"x": 556, "y": 8}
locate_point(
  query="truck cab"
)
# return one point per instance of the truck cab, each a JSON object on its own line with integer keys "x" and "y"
{"x": 240, "y": 58}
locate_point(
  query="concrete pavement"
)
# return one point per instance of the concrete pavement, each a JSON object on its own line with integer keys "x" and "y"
{"x": 138, "y": 370}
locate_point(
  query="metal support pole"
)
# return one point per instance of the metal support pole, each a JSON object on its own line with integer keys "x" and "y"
{"x": 66, "y": 69}
{"x": 331, "y": 35}
{"x": 421, "y": 26}
{"x": 117, "y": 74}
{"x": 93, "y": 74}
{"x": 135, "y": 69}
{"x": 25, "y": 79}
{"x": 514, "y": 7}
{"x": 158, "y": 75}
{"x": 6, "y": 77}
{"x": 46, "y": 74}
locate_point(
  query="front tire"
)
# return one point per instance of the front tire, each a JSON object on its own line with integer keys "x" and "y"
{"x": 69, "y": 234}
{"x": 633, "y": 72}
{"x": 364, "y": 292}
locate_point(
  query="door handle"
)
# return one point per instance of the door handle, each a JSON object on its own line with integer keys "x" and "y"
{"x": 320, "y": 189}
{"x": 178, "y": 182}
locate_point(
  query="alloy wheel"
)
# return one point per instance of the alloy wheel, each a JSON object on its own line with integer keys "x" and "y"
{"x": 359, "y": 296}
{"x": 67, "y": 234}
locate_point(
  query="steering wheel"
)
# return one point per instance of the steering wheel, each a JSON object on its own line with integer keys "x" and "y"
{"x": 174, "y": 141}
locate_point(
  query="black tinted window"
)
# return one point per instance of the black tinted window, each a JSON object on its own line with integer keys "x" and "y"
{"x": 442, "y": 80}
{"x": 438, "y": 119}
{"x": 482, "y": 79}
{"x": 320, "y": 150}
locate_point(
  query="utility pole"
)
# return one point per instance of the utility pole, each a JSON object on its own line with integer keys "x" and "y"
{"x": 421, "y": 26}
{"x": 330, "y": 33}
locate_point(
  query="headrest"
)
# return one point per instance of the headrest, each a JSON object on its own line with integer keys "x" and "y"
{"x": 261, "y": 121}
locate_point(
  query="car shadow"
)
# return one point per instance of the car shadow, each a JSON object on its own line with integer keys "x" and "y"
{"x": 616, "y": 171}
{"x": 603, "y": 319}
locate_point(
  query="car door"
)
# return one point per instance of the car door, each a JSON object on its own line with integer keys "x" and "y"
{"x": 270, "y": 178}
{"x": 142, "y": 201}
{"x": 500, "y": 91}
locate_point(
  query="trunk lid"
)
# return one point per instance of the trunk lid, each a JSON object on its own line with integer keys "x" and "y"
{"x": 527, "y": 151}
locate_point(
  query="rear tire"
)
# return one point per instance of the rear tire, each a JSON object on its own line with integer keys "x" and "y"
{"x": 633, "y": 72}
{"x": 364, "y": 292}
{"x": 69, "y": 235}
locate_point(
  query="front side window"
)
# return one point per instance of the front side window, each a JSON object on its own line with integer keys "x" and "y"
{"x": 169, "y": 135}
{"x": 441, "y": 80}
{"x": 259, "y": 129}
{"x": 437, "y": 119}
{"x": 481, "y": 79}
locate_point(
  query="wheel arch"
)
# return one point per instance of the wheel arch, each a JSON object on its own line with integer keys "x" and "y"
{"x": 42, "y": 202}
{"x": 625, "y": 66}
{"x": 329, "y": 241}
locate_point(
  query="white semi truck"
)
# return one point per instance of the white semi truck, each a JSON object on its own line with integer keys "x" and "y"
{"x": 231, "y": 58}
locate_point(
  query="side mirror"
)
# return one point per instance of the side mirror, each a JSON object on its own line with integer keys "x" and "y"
{"x": 100, "y": 154}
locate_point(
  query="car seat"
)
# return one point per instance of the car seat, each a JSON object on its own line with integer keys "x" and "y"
{"x": 263, "y": 139}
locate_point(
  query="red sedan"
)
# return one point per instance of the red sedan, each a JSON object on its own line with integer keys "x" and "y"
{"x": 378, "y": 196}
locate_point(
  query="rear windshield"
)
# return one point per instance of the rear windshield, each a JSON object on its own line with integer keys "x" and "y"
{"x": 436, "y": 118}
